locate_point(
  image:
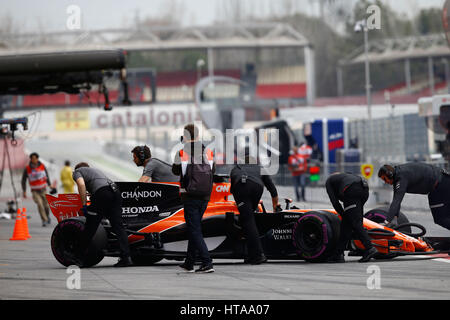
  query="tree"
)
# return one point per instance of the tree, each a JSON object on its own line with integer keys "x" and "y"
{"x": 429, "y": 21}
{"x": 172, "y": 12}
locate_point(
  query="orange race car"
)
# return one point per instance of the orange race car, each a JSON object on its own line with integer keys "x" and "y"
{"x": 154, "y": 219}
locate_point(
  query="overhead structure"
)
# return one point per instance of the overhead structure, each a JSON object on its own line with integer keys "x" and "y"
{"x": 157, "y": 38}
{"x": 210, "y": 38}
{"x": 387, "y": 50}
{"x": 430, "y": 47}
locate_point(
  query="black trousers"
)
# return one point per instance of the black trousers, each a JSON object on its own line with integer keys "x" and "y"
{"x": 439, "y": 201}
{"x": 355, "y": 196}
{"x": 247, "y": 196}
{"x": 106, "y": 203}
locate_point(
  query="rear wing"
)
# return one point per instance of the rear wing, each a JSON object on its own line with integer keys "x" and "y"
{"x": 65, "y": 205}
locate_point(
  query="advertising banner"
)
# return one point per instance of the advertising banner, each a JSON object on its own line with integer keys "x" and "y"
{"x": 146, "y": 115}
{"x": 77, "y": 119}
{"x": 330, "y": 136}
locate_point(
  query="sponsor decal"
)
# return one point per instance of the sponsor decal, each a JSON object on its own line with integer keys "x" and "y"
{"x": 63, "y": 204}
{"x": 336, "y": 141}
{"x": 138, "y": 210}
{"x": 165, "y": 214}
{"x": 144, "y": 201}
{"x": 223, "y": 188}
{"x": 282, "y": 234}
{"x": 291, "y": 216}
{"x": 136, "y": 194}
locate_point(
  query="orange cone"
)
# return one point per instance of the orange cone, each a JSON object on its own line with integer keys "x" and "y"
{"x": 19, "y": 232}
{"x": 25, "y": 222}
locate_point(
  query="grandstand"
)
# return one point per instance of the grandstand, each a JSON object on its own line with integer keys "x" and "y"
{"x": 431, "y": 50}
{"x": 266, "y": 81}
{"x": 281, "y": 82}
{"x": 398, "y": 94}
{"x": 178, "y": 86}
{"x": 269, "y": 83}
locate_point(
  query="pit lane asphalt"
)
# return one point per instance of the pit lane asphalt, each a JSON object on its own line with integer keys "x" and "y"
{"x": 28, "y": 270}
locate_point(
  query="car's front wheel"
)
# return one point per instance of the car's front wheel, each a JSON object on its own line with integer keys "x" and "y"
{"x": 379, "y": 215}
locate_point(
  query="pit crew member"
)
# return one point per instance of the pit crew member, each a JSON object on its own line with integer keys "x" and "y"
{"x": 247, "y": 186}
{"x": 155, "y": 170}
{"x": 418, "y": 178}
{"x": 353, "y": 191}
{"x": 105, "y": 202}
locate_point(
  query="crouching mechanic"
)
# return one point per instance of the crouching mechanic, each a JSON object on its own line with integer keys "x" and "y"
{"x": 418, "y": 178}
{"x": 155, "y": 170}
{"x": 247, "y": 186}
{"x": 105, "y": 202}
{"x": 353, "y": 191}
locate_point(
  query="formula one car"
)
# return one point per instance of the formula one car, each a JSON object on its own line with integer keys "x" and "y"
{"x": 154, "y": 219}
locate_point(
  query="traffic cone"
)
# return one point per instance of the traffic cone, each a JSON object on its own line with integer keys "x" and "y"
{"x": 25, "y": 222}
{"x": 19, "y": 232}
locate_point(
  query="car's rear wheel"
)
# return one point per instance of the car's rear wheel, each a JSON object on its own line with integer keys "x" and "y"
{"x": 315, "y": 235}
{"x": 66, "y": 238}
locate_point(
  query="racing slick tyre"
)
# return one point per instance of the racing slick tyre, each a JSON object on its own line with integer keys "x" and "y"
{"x": 66, "y": 237}
{"x": 379, "y": 215}
{"x": 315, "y": 235}
{"x": 144, "y": 260}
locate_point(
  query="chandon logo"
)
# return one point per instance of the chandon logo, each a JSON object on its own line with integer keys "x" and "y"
{"x": 141, "y": 194}
{"x": 128, "y": 210}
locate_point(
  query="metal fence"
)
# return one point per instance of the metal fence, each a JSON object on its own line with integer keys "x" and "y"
{"x": 284, "y": 176}
{"x": 393, "y": 139}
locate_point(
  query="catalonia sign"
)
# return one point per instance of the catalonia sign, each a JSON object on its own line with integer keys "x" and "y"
{"x": 367, "y": 170}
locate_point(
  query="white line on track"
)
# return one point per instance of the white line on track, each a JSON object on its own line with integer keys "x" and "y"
{"x": 442, "y": 260}
{"x": 433, "y": 259}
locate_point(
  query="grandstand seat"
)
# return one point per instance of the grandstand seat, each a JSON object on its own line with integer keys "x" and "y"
{"x": 281, "y": 82}
{"x": 180, "y": 85}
